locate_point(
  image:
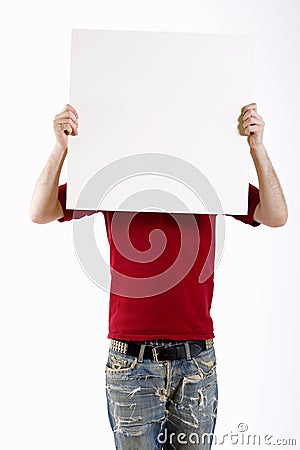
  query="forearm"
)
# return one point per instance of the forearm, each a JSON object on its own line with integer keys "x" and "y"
{"x": 272, "y": 210}
{"x": 44, "y": 206}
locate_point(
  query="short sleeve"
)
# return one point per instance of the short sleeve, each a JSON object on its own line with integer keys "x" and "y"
{"x": 70, "y": 214}
{"x": 253, "y": 200}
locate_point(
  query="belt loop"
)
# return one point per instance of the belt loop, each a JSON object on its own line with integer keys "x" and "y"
{"x": 209, "y": 343}
{"x": 187, "y": 350}
{"x": 141, "y": 353}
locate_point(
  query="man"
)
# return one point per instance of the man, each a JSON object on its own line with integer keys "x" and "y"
{"x": 161, "y": 370}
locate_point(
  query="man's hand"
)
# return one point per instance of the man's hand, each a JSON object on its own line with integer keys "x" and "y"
{"x": 65, "y": 124}
{"x": 253, "y": 126}
{"x": 272, "y": 209}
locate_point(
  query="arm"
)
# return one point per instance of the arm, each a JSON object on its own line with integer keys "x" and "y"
{"x": 45, "y": 206}
{"x": 272, "y": 208}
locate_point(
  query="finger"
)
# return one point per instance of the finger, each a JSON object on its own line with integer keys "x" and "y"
{"x": 256, "y": 129}
{"x": 68, "y": 130}
{"x": 253, "y": 127}
{"x": 60, "y": 125}
{"x": 67, "y": 115}
{"x": 253, "y": 121}
{"x": 65, "y": 129}
{"x": 74, "y": 131}
{"x": 251, "y": 113}
{"x": 251, "y": 106}
{"x": 65, "y": 120}
{"x": 69, "y": 107}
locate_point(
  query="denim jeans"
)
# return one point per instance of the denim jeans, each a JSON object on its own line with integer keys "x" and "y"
{"x": 162, "y": 405}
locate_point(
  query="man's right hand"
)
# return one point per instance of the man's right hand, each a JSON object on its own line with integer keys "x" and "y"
{"x": 65, "y": 124}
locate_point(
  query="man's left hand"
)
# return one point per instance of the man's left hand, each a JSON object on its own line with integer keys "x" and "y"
{"x": 253, "y": 126}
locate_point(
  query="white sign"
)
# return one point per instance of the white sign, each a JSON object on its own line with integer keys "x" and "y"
{"x": 158, "y": 121}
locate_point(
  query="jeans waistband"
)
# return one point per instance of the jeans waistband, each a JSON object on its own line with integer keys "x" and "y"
{"x": 165, "y": 351}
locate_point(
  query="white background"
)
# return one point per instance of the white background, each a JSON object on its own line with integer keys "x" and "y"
{"x": 53, "y": 320}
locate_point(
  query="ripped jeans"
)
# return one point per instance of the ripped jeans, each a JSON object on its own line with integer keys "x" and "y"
{"x": 162, "y": 405}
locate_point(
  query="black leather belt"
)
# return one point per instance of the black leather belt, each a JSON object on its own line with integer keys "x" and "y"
{"x": 161, "y": 352}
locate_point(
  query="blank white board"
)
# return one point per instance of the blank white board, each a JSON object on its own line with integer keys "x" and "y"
{"x": 158, "y": 115}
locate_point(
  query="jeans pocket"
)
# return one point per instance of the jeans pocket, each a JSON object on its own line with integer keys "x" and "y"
{"x": 206, "y": 362}
{"x": 118, "y": 363}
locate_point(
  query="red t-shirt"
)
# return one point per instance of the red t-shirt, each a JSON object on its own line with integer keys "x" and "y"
{"x": 175, "y": 306}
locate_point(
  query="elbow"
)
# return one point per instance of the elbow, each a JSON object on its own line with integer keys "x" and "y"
{"x": 37, "y": 217}
{"x": 281, "y": 223}
{"x": 275, "y": 219}
{"x": 278, "y": 221}
{"x": 283, "y": 217}
{"x": 39, "y": 221}
{"x": 47, "y": 214}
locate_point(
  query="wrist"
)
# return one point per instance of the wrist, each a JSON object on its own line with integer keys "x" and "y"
{"x": 60, "y": 148}
{"x": 259, "y": 149}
